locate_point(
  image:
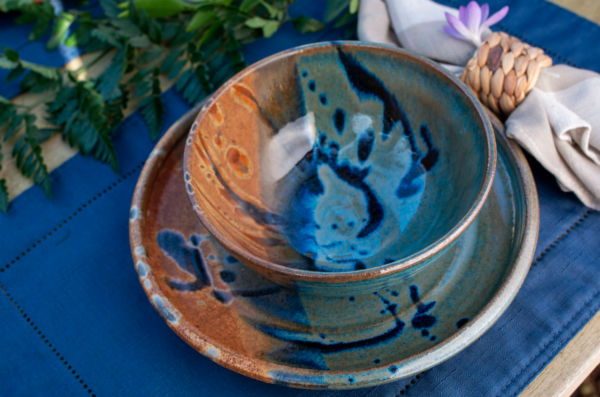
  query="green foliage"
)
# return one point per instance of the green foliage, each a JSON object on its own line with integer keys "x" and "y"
{"x": 200, "y": 19}
{"x": 341, "y": 11}
{"x": 269, "y": 27}
{"x": 28, "y": 154}
{"x": 110, "y": 79}
{"x": 59, "y": 30}
{"x": 161, "y": 8}
{"x": 9, "y": 59}
{"x": 344, "y": 19}
{"x": 110, "y": 7}
{"x": 36, "y": 83}
{"x": 39, "y": 14}
{"x": 334, "y": 8}
{"x": 197, "y": 43}
{"x": 86, "y": 121}
{"x": 3, "y": 196}
{"x": 307, "y": 25}
{"x": 6, "y": 63}
{"x": 26, "y": 150}
{"x": 153, "y": 110}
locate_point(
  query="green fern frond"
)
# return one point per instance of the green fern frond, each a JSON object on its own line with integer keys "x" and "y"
{"x": 110, "y": 79}
{"x": 3, "y": 196}
{"x": 28, "y": 154}
{"x": 114, "y": 107}
{"x": 105, "y": 151}
{"x": 152, "y": 107}
{"x": 86, "y": 120}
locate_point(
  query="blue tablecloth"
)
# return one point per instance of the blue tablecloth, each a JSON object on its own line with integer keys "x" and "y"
{"x": 74, "y": 319}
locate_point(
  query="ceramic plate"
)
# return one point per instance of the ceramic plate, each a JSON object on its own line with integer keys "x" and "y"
{"x": 248, "y": 324}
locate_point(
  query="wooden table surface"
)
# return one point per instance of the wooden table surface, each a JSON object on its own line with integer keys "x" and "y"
{"x": 562, "y": 375}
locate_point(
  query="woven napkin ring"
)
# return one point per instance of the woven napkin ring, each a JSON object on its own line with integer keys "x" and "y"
{"x": 503, "y": 71}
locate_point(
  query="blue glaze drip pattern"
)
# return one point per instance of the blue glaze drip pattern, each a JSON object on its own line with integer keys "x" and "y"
{"x": 422, "y": 320}
{"x": 319, "y": 346}
{"x": 222, "y": 277}
{"x": 298, "y": 349}
{"x": 227, "y": 276}
{"x": 333, "y": 347}
{"x": 323, "y": 99}
{"x": 340, "y": 216}
{"x": 366, "y": 140}
{"x": 462, "y": 322}
{"x": 187, "y": 256}
{"x": 339, "y": 120}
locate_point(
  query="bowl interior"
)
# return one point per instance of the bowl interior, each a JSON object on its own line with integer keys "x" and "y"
{"x": 337, "y": 157}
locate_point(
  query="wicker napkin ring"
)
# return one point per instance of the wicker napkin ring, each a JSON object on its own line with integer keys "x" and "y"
{"x": 503, "y": 71}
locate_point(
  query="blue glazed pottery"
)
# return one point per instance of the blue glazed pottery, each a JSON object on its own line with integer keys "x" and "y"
{"x": 340, "y": 168}
{"x": 234, "y": 316}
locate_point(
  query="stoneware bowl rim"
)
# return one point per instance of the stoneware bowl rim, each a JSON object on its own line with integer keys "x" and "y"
{"x": 437, "y": 247}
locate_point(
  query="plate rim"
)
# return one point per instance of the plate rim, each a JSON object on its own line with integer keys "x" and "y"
{"x": 320, "y": 379}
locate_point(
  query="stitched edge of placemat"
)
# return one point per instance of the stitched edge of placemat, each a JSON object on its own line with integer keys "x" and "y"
{"x": 553, "y": 352}
{"x": 552, "y": 245}
{"x": 409, "y": 384}
{"x": 560, "y": 238}
{"x": 74, "y": 214}
{"x": 46, "y": 341}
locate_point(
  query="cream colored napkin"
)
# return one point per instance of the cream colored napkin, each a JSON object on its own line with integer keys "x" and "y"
{"x": 559, "y": 121}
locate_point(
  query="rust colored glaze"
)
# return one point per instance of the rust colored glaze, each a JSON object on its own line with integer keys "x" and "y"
{"x": 235, "y": 317}
{"x": 335, "y": 112}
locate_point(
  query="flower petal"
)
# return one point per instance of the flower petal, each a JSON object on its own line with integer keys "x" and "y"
{"x": 452, "y": 32}
{"x": 497, "y": 17}
{"x": 458, "y": 25}
{"x": 485, "y": 12}
{"x": 473, "y": 16}
{"x": 462, "y": 14}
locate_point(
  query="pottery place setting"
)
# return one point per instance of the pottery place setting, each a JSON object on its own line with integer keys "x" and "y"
{"x": 335, "y": 216}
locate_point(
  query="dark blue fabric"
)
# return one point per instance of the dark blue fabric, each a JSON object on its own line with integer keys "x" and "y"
{"x": 75, "y": 321}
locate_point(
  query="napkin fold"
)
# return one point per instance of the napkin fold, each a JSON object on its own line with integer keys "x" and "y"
{"x": 558, "y": 122}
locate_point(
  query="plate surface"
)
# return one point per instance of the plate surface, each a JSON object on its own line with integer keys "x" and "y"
{"x": 246, "y": 323}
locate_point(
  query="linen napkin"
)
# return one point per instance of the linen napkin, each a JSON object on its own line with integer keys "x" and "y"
{"x": 558, "y": 122}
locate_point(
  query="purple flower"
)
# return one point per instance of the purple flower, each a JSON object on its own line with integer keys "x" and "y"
{"x": 472, "y": 21}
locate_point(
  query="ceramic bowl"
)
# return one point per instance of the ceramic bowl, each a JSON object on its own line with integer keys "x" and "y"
{"x": 340, "y": 168}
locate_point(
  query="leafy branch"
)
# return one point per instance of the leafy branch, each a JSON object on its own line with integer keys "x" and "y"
{"x": 197, "y": 44}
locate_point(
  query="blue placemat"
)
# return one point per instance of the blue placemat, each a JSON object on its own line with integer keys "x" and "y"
{"x": 75, "y": 321}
